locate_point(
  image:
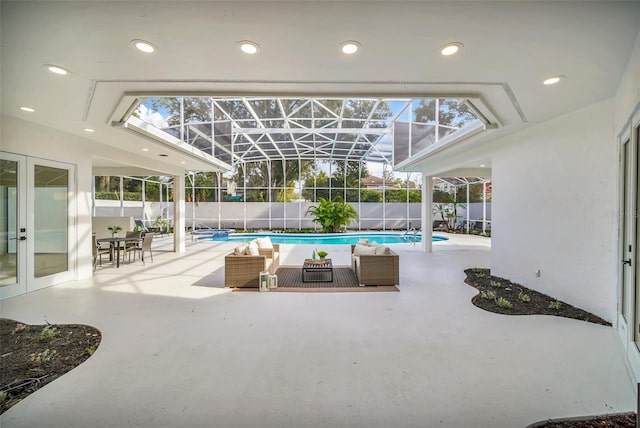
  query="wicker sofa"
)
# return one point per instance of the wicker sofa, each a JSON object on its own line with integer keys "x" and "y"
{"x": 242, "y": 269}
{"x": 377, "y": 265}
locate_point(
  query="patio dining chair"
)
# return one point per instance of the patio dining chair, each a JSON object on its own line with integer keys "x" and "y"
{"x": 99, "y": 251}
{"x": 146, "y": 246}
{"x": 128, "y": 247}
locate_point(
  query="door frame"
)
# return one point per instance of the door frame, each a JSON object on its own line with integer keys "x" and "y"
{"x": 629, "y": 330}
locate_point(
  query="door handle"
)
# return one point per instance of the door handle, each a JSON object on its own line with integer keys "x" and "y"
{"x": 23, "y": 238}
{"x": 626, "y": 262}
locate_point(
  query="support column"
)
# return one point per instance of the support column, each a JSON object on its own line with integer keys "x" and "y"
{"x": 144, "y": 203}
{"x": 93, "y": 196}
{"x": 468, "y": 209}
{"x": 484, "y": 207}
{"x": 284, "y": 198}
{"x": 427, "y": 214}
{"x": 178, "y": 213}
{"x": 121, "y": 196}
{"x": 219, "y": 196}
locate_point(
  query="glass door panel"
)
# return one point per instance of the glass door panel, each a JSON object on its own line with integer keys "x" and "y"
{"x": 51, "y": 225}
{"x": 8, "y": 217}
{"x": 50, "y": 214}
{"x": 13, "y": 247}
{"x": 627, "y": 227}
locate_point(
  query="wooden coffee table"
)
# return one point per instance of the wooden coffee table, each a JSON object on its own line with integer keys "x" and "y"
{"x": 317, "y": 269}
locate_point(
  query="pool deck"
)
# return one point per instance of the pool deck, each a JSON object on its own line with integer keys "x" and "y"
{"x": 178, "y": 349}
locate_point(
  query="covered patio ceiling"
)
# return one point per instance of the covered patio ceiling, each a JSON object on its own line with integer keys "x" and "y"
{"x": 250, "y": 129}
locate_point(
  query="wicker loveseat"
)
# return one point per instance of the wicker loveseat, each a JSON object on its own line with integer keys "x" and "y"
{"x": 242, "y": 269}
{"x": 375, "y": 264}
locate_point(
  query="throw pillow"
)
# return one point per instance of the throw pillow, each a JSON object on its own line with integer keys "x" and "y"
{"x": 362, "y": 250}
{"x": 381, "y": 249}
{"x": 253, "y": 249}
{"x": 265, "y": 243}
{"x": 240, "y": 250}
{"x": 363, "y": 242}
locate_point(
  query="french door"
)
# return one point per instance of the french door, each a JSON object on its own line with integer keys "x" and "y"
{"x": 37, "y": 227}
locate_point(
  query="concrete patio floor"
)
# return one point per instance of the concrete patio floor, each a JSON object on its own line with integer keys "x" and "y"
{"x": 179, "y": 350}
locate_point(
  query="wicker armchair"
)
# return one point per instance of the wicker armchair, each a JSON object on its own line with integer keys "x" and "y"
{"x": 378, "y": 269}
{"x": 244, "y": 270}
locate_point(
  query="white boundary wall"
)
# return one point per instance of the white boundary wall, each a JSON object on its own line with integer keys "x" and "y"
{"x": 232, "y": 214}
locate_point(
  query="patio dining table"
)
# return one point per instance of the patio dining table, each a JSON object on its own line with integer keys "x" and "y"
{"x": 115, "y": 242}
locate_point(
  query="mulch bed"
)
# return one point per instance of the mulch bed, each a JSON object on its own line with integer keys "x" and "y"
{"x": 620, "y": 420}
{"x": 34, "y": 355}
{"x": 525, "y": 301}
{"x": 492, "y": 288}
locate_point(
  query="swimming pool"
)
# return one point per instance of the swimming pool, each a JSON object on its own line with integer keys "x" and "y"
{"x": 328, "y": 238}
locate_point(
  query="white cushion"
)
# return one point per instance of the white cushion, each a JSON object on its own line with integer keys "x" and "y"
{"x": 253, "y": 249}
{"x": 373, "y": 244}
{"x": 240, "y": 250}
{"x": 264, "y": 243}
{"x": 381, "y": 249}
{"x": 362, "y": 250}
{"x": 363, "y": 242}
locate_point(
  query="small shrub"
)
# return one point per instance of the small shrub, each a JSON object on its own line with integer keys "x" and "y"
{"x": 495, "y": 283}
{"x": 3, "y": 396}
{"x": 504, "y": 303}
{"x": 523, "y": 297}
{"x": 49, "y": 332}
{"x": 488, "y": 295}
{"x": 43, "y": 357}
{"x": 90, "y": 350}
{"x": 556, "y": 304}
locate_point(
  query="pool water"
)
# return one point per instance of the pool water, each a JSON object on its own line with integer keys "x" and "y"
{"x": 329, "y": 239}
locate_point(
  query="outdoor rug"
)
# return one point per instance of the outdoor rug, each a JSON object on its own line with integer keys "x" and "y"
{"x": 344, "y": 280}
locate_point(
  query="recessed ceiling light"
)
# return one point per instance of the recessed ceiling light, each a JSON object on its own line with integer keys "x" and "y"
{"x": 144, "y": 46}
{"x": 145, "y": 149}
{"x": 450, "y": 48}
{"x": 350, "y": 47}
{"x": 89, "y": 130}
{"x": 182, "y": 162}
{"x": 27, "y": 109}
{"x": 249, "y": 47}
{"x": 553, "y": 80}
{"x": 482, "y": 165}
{"x": 56, "y": 69}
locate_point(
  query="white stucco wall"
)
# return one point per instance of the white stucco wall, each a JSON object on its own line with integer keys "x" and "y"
{"x": 554, "y": 209}
{"x": 628, "y": 94}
